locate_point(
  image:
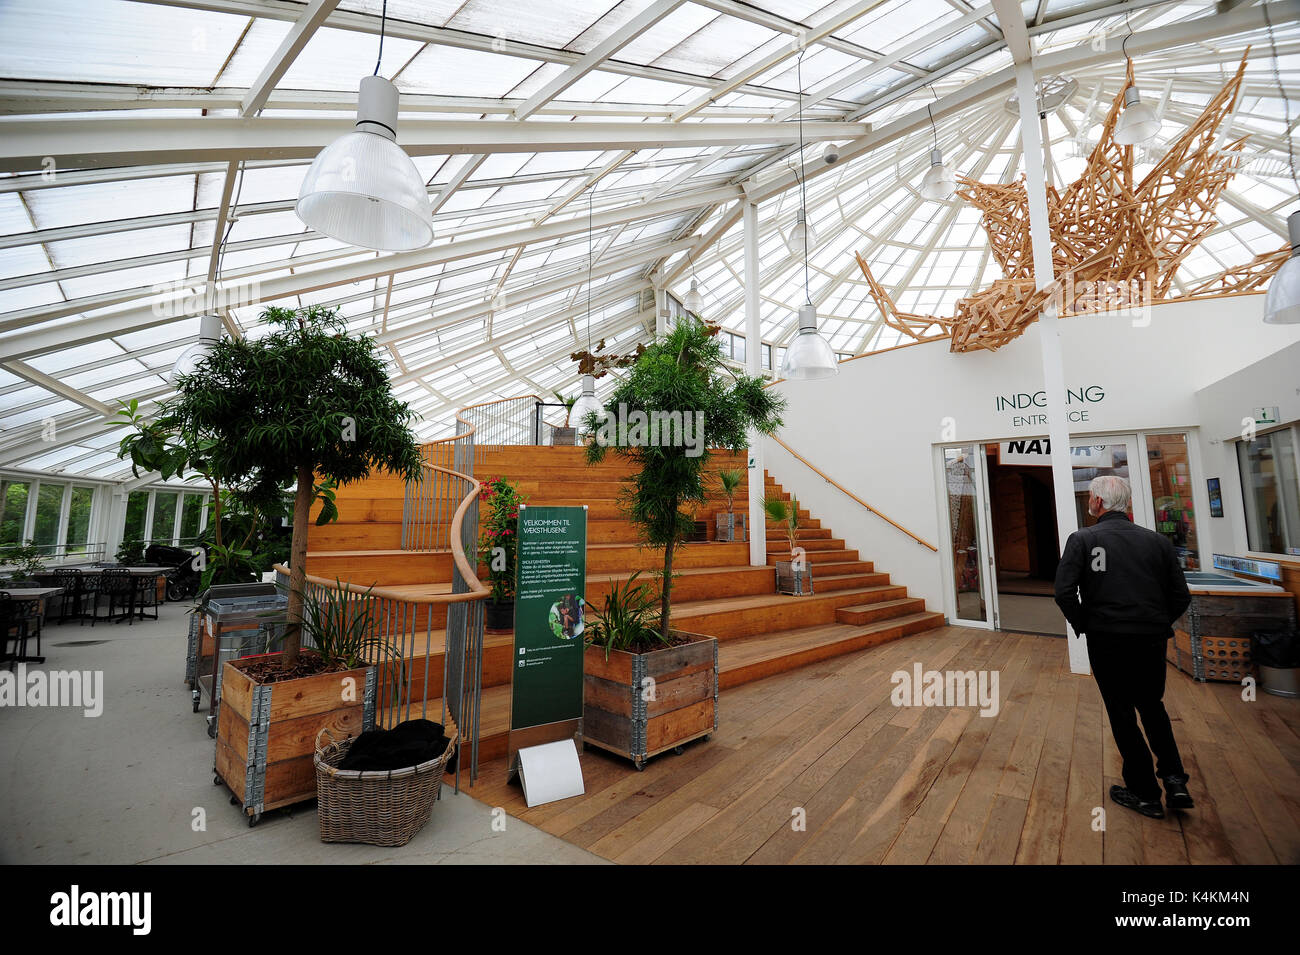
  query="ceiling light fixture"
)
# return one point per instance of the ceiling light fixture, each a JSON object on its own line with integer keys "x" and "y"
{"x": 1138, "y": 123}
{"x": 809, "y": 355}
{"x": 362, "y": 188}
{"x": 187, "y": 362}
{"x": 939, "y": 181}
{"x": 587, "y": 403}
{"x": 1282, "y": 304}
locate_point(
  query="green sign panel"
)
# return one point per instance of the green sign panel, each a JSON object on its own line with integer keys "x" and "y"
{"x": 550, "y": 616}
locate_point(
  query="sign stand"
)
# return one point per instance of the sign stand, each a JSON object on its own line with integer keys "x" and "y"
{"x": 550, "y": 623}
{"x": 549, "y": 772}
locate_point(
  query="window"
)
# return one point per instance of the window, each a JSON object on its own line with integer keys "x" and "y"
{"x": 49, "y": 504}
{"x": 1271, "y": 492}
{"x": 79, "y": 506}
{"x": 163, "y": 528}
{"x": 137, "y": 504}
{"x": 13, "y": 511}
{"x": 1171, "y": 495}
{"x": 191, "y": 511}
{"x": 767, "y": 356}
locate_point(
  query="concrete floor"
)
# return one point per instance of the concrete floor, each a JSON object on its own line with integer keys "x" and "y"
{"x": 134, "y": 785}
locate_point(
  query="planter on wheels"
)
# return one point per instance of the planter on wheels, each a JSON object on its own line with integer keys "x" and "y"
{"x": 266, "y": 732}
{"x": 499, "y": 617}
{"x": 625, "y": 713}
{"x": 793, "y": 580}
{"x": 732, "y": 527}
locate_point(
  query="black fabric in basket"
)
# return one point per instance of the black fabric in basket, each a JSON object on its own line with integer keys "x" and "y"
{"x": 405, "y": 745}
{"x": 1276, "y": 648}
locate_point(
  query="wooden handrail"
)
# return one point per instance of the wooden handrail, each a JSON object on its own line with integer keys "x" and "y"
{"x": 840, "y": 487}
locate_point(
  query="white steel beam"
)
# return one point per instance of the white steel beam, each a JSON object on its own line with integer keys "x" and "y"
{"x": 302, "y": 30}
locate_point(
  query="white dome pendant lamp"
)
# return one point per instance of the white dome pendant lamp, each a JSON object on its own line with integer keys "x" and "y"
{"x": 808, "y": 356}
{"x": 187, "y": 362}
{"x": 587, "y": 404}
{"x": 1282, "y": 304}
{"x": 940, "y": 181}
{"x": 1137, "y": 124}
{"x": 362, "y": 188}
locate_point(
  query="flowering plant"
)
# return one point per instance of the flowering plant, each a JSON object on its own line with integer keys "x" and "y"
{"x": 498, "y": 541}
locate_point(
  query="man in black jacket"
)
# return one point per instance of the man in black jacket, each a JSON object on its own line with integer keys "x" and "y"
{"x": 1120, "y": 585}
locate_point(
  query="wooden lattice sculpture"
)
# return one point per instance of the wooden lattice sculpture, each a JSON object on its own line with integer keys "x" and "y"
{"x": 1116, "y": 244}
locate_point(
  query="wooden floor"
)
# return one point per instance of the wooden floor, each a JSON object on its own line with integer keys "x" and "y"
{"x": 879, "y": 783}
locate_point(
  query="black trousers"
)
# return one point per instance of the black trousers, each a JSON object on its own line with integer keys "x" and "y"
{"x": 1130, "y": 673}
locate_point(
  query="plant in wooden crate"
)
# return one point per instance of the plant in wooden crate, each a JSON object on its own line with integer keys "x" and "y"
{"x": 650, "y": 695}
{"x": 498, "y": 546}
{"x": 645, "y": 691}
{"x": 793, "y": 576}
{"x": 729, "y": 480}
{"x": 681, "y": 378}
{"x": 271, "y": 715}
{"x": 568, "y": 435}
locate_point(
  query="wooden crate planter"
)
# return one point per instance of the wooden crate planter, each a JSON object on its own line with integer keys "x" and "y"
{"x": 617, "y": 718}
{"x": 1212, "y": 639}
{"x": 732, "y": 527}
{"x": 790, "y": 580}
{"x": 266, "y": 732}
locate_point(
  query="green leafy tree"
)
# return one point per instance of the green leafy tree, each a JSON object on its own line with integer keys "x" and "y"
{"x": 303, "y": 400}
{"x": 683, "y": 371}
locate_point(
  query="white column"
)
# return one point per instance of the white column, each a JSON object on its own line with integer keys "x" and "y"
{"x": 754, "y": 365}
{"x": 1058, "y": 428}
{"x": 661, "y": 311}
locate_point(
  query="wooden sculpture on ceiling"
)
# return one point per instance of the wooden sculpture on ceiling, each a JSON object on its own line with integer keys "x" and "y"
{"x": 1116, "y": 244}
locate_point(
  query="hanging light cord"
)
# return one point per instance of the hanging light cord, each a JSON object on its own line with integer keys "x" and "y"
{"x": 1286, "y": 103}
{"x": 591, "y": 195}
{"x": 803, "y": 188}
{"x": 383, "y": 24}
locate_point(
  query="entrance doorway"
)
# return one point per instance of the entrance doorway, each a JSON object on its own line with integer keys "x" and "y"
{"x": 1002, "y": 526}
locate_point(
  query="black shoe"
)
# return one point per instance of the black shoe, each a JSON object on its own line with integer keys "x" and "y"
{"x": 1176, "y": 794}
{"x": 1148, "y": 807}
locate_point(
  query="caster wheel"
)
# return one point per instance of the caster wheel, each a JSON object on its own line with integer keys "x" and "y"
{"x": 253, "y": 820}
{"x": 640, "y": 765}
{"x": 234, "y": 800}
{"x": 212, "y": 729}
{"x": 705, "y": 738}
{"x": 678, "y": 750}
{"x": 195, "y": 707}
{"x": 216, "y": 779}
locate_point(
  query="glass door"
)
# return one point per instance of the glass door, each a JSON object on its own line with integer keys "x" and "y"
{"x": 972, "y": 599}
{"x": 1108, "y": 454}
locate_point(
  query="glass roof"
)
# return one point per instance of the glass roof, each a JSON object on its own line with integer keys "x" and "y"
{"x": 122, "y": 217}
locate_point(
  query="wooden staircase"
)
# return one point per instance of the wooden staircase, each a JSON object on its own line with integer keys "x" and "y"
{"x": 716, "y": 592}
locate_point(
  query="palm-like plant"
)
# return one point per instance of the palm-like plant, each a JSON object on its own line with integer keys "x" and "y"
{"x": 627, "y": 620}
{"x": 729, "y": 481}
{"x": 780, "y": 511}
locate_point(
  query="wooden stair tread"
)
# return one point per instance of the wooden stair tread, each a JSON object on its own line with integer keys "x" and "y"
{"x": 700, "y": 607}
{"x": 733, "y": 654}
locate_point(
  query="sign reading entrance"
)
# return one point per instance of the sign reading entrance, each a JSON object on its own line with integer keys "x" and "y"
{"x": 546, "y": 692}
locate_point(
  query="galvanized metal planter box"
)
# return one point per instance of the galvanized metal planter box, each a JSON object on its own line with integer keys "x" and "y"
{"x": 792, "y": 580}
{"x": 1212, "y": 640}
{"x": 732, "y": 527}
{"x": 640, "y": 704}
{"x": 266, "y": 732}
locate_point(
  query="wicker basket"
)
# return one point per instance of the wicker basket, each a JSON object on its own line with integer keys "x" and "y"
{"x": 377, "y": 808}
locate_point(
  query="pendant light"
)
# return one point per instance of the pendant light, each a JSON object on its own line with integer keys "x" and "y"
{"x": 939, "y": 181}
{"x": 1138, "y": 124}
{"x": 362, "y": 188}
{"x": 187, "y": 362}
{"x": 809, "y": 355}
{"x": 693, "y": 301}
{"x": 803, "y": 234}
{"x": 587, "y": 404}
{"x": 1282, "y": 304}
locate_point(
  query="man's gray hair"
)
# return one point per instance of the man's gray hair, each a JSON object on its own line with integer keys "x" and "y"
{"x": 1113, "y": 492}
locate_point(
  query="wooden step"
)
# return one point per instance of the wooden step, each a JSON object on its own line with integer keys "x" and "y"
{"x": 744, "y": 661}
{"x": 882, "y": 610}
{"x": 826, "y": 583}
{"x": 494, "y": 726}
{"x": 693, "y": 583}
{"x": 615, "y": 558}
{"x": 814, "y": 556}
{"x": 381, "y": 567}
{"x": 807, "y": 543}
{"x": 732, "y": 617}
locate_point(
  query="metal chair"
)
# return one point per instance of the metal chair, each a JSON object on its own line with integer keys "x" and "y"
{"x": 146, "y": 595}
{"x": 74, "y": 593}
{"x": 13, "y": 626}
{"x": 118, "y": 585}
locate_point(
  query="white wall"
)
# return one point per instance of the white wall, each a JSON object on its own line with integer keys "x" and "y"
{"x": 873, "y": 428}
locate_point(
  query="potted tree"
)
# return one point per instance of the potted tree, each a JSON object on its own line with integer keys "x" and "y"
{"x": 644, "y": 692}
{"x": 683, "y": 374}
{"x": 498, "y": 546}
{"x": 302, "y": 401}
{"x": 729, "y": 481}
{"x": 567, "y": 436}
{"x": 793, "y": 576}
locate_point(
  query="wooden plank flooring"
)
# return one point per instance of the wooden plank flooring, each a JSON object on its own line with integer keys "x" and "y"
{"x": 817, "y": 765}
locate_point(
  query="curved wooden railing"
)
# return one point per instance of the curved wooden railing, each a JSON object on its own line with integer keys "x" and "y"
{"x": 840, "y": 487}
